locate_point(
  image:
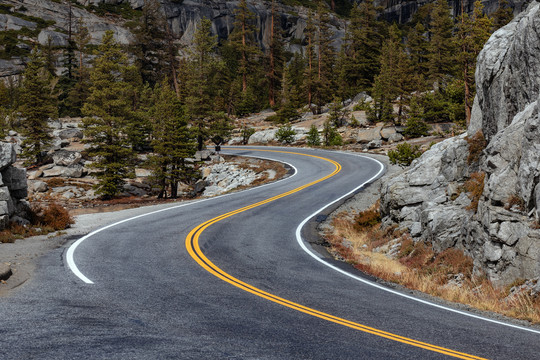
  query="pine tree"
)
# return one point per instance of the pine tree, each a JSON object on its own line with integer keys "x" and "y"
{"x": 361, "y": 49}
{"x": 293, "y": 82}
{"x": 442, "y": 48}
{"x": 38, "y": 104}
{"x": 313, "y": 137}
{"x": 79, "y": 92}
{"x": 473, "y": 32}
{"x": 243, "y": 41}
{"x": 415, "y": 125}
{"x": 172, "y": 142}
{"x": 108, "y": 109}
{"x": 275, "y": 57}
{"x": 324, "y": 83}
{"x": 503, "y": 15}
{"x": 150, "y": 43}
{"x": 200, "y": 67}
{"x": 395, "y": 81}
{"x": 310, "y": 72}
{"x": 418, "y": 48}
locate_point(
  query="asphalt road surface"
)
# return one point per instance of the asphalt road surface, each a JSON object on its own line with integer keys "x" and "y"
{"x": 227, "y": 278}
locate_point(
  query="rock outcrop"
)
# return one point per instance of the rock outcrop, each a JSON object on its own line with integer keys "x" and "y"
{"x": 499, "y": 226}
{"x": 13, "y": 185}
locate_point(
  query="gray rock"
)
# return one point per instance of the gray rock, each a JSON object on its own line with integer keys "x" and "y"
{"x": 393, "y": 138}
{"x": 262, "y": 137}
{"x": 386, "y": 132}
{"x": 7, "y": 155}
{"x": 203, "y": 155}
{"x": 366, "y": 136}
{"x": 56, "y": 39}
{"x": 508, "y": 73}
{"x": 39, "y": 186}
{"x": 374, "y": 144}
{"x": 5, "y": 271}
{"x": 70, "y": 133}
{"x": 199, "y": 186}
{"x": 15, "y": 180}
{"x": 10, "y": 22}
{"x": 66, "y": 158}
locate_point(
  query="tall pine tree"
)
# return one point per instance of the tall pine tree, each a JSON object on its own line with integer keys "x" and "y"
{"x": 38, "y": 104}
{"x": 108, "y": 110}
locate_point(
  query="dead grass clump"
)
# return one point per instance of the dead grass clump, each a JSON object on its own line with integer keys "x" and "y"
{"x": 7, "y": 237}
{"x": 55, "y": 182}
{"x": 477, "y": 143}
{"x": 367, "y": 219}
{"x": 475, "y": 187}
{"x": 53, "y": 216}
{"x": 515, "y": 202}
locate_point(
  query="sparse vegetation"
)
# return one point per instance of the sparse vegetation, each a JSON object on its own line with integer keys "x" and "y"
{"x": 477, "y": 143}
{"x": 448, "y": 274}
{"x": 285, "y": 134}
{"x": 475, "y": 187}
{"x": 404, "y": 154}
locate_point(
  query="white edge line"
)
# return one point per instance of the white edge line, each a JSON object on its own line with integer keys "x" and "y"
{"x": 71, "y": 250}
{"x": 370, "y": 283}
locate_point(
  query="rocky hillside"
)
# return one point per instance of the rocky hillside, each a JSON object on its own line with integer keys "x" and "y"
{"x": 41, "y": 20}
{"x": 484, "y": 197}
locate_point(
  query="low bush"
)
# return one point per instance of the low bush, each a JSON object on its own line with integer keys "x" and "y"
{"x": 54, "y": 217}
{"x": 285, "y": 134}
{"x": 404, "y": 154}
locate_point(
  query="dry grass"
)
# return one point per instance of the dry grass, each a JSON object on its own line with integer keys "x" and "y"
{"x": 477, "y": 143}
{"x": 43, "y": 220}
{"x": 448, "y": 275}
{"x": 475, "y": 187}
{"x": 515, "y": 202}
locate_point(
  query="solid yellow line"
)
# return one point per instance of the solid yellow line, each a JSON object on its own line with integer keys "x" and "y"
{"x": 192, "y": 245}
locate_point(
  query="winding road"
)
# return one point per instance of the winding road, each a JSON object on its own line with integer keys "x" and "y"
{"x": 233, "y": 277}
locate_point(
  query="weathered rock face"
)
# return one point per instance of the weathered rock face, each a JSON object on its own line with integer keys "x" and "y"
{"x": 13, "y": 186}
{"x": 402, "y": 11}
{"x": 508, "y": 73}
{"x": 428, "y": 199}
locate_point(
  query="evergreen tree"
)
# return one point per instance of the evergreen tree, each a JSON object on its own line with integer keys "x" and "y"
{"x": 325, "y": 59}
{"x": 243, "y": 41}
{"x": 473, "y": 32}
{"x": 275, "y": 57}
{"x": 172, "y": 142}
{"x": 108, "y": 110}
{"x": 442, "y": 48}
{"x": 313, "y": 137}
{"x": 38, "y": 104}
{"x": 150, "y": 43}
{"x": 418, "y": 48}
{"x": 331, "y": 136}
{"x": 415, "y": 125}
{"x": 503, "y": 15}
{"x": 200, "y": 67}
{"x": 361, "y": 49}
{"x": 293, "y": 82}
{"x": 310, "y": 72}
{"x": 396, "y": 79}
{"x": 79, "y": 92}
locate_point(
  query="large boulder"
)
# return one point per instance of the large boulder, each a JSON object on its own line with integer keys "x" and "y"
{"x": 508, "y": 73}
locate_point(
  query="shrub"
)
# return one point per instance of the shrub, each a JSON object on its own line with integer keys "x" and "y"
{"x": 415, "y": 125}
{"x": 477, "y": 143}
{"x": 285, "y": 134}
{"x": 331, "y": 136}
{"x": 404, "y": 154}
{"x": 246, "y": 134}
{"x": 53, "y": 216}
{"x": 313, "y": 138}
{"x": 475, "y": 187}
{"x": 515, "y": 201}
{"x": 367, "y": 219}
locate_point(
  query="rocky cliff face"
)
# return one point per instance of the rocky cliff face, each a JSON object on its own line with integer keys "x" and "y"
{"x": 13, "y": 187}
{"x": 432, "y": 199}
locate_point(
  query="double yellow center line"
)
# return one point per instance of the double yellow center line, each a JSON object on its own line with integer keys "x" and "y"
{"x": 192, "y": 245}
